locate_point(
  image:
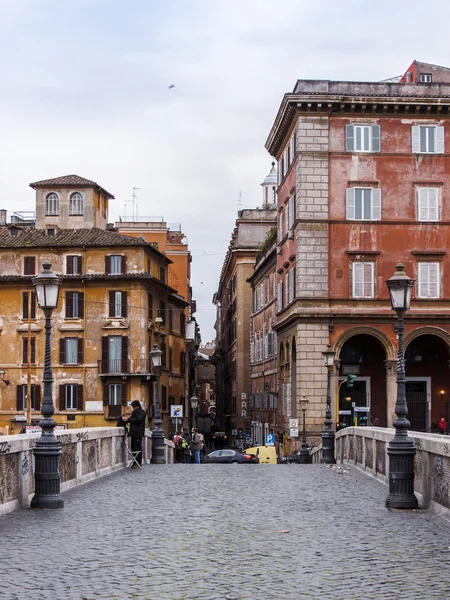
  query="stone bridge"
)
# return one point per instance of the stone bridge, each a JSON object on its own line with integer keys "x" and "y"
{"x": 228, "y": 532}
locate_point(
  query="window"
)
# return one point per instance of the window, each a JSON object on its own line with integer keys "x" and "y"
{"x": 115, "y": 394}
{"x": 364, "y": 204}
{"x": 32, "y": 351}
{"x": 21, "y": 397}
{"x": 292, "y": 148}
{"x": 73, "y": 265}
{"x": 74, "y": 305}
{"x": 71, "y": 351}
{"x": 427, "y": 139}
{"x": 150, "y": 307}
{"x": 280, "y": 296}
{"x": 115, "y": 264}
{"x": 118, "y": 304}
{"x": 428, "y": 204}
{"x": 170, "y": 360}
{"x": 428, "y": 280}
{"x": 29, "y": 265}
{"x": 290, "y": 285}
{"x": 25, "y": 304}
{"x": 291, "y": 218}
{"x": 163, "y": 349}
{"x": 182, "y": 324}
{"x": 362, "y": 138}
{"x": 162, "y": 274}
{"x": 170, "y": 318}
{"x": 162, "y": 311}
{"x": 425, "y": 78}
{"x": 51, "y": 205}
{"x": 76, "y": 204}
{"x": 363, "y": 280}
{"x": 280, "y": 225}
{"x": 71, "y": 397}
{"x": 114, "y": 354}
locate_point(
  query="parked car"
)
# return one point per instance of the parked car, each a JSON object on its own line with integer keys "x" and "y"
{"x": 295, "y": 458}
{"x": 228, "y": 456}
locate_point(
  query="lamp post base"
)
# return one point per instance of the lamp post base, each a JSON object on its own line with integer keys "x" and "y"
{"x": 47, "y": 478}
{"x": 401, "y": 474}
{"x": 328, "y": 448}
{"x": 158, "y": 454}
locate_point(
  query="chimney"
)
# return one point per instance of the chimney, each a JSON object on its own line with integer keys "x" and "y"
{"x": 2, "y": 217}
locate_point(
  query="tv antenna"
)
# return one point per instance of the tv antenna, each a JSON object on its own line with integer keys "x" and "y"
{"x": 135, "y": 206}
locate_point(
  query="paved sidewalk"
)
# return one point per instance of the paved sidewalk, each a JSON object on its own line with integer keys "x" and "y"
{"x": 225, "y": 532}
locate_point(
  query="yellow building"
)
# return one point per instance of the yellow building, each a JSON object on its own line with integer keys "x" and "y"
{"x": 112, "y": 286}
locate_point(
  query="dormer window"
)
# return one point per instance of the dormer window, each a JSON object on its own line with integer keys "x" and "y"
{"x": 51, "y": 205}
{"x": 76, "y": 204}
{"x": 425, "y": 78}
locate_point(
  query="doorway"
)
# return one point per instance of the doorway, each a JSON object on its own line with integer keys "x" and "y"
{"x": 419, "y": 403}
{"x": 354, "y": 403}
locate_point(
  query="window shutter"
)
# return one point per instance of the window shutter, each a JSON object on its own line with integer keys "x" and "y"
{"x": 415, "y": 139}
{"x": 108, "y": 265}
{"x": 25, "y": 305}
{"x": 439, "y": 139}
{"x": 105, "y": 348}
{"x": 150, "y": 307}
{"x": 375, "y": 138}
{"x": 33, "y": 351}
{"x": 434, "y": 280}
{"x": 286, "y": 289}
{"x": 349, "y": 139}
{"x": 37, "y": 397}
{"x": 433, "y": 204}
{"x": 376, "y": 204}
{"x": 123, "y": 394}
{"x": 19, "y": 397}
{"x": 368, "y": 280}
{"x": 81, "y": 305}
{"x": 80, "y": 357}
{"x": 357, "y": 280}
{"x": 79, "y": 397}
{"x": 62, "y": 350}
{"x": 123, "y": 264}
{"x": 112, "y": 303}
{"x": 69, "y": 265}
{"x": 423, "y": 280}
{"x": 423, "y": 212}
{"x": 350, "y": 208}
{"x": 33, "y": 305}
{"x": 79, "y": 268}
{"x": 124, "y": 305}
{"x": 69, "y": 305}
{"x": 62, "y": 397}
{"x": 105, "y": 393}
{"x": 24, "y": 351}
{"x": 124, "y": 354}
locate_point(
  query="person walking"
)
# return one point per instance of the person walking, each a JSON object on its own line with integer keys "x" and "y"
{"x": 196, "y": 445}
{"x": 186, "y": 445}
{"x": 137, "y": 430}
{"x": 179, "y": 450}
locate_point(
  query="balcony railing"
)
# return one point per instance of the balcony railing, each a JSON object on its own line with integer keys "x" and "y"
{"x": 129, "y": 366}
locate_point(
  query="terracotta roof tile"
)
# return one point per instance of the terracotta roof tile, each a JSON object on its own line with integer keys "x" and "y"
{"x": 66, "y": 238}
{"x": 69, "y": 181}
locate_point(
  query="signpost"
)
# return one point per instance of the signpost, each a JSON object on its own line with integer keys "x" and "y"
{"x": 270, "y": 439}
{"x": 176, "y": 412}
{"x": 293, "y": 428}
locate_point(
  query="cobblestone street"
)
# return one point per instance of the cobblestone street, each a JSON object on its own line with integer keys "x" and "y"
{"x": 225, "y": 532}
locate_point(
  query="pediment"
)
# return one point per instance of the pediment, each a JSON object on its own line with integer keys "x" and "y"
{"x": 115, "y": 324}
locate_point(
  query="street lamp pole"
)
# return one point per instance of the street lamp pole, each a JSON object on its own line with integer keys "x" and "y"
{"x": 328, "y": 434}
{"x": 158, "y": 455}
{"x": 304, "y": 452}
{"x": 194, "y": 407}
{"x": 401, "y": 449}
{"x": 47, "y": 452}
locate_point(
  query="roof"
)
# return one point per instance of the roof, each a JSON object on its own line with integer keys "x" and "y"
{"x": 29, "y": 237}
{"x": 69, "y": 181}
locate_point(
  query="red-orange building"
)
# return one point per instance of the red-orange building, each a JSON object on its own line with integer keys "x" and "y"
{"x": 364, "y": 174}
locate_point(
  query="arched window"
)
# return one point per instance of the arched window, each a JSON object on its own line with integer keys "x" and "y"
{"x": 76, "y": 204}
{"x": 51, "y": 204}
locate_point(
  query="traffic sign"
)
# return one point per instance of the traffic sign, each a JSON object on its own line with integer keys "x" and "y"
{"x": 293, "y": 432}
{"x": 176, "y": 411}
{"x": 270, "y": 439}
{"x": 293, "y": 423}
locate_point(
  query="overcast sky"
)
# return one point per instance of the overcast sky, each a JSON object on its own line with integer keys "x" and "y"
{"x": 84, "y": 88}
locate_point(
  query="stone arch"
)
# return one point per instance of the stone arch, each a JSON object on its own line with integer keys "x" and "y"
{"x": 389, "y": 348}
{"x": 428, "y": 330}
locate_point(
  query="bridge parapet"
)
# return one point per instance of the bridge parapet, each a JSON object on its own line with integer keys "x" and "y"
{"x": 366, "y": 449}
{"x": 87, "y": 454}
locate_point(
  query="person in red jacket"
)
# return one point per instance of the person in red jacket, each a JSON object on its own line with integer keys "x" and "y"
{"x": 443, "y": 426}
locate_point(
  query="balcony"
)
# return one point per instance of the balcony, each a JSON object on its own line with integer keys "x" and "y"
{"x": 124, "y": 367}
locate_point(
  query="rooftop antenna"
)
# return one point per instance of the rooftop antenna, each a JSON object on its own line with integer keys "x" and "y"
{"x": 135, "y": 198}
{"x": 240, "y": 201}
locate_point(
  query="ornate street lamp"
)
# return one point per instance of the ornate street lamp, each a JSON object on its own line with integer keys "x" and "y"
{"x": 401, "y": 448}
{"x": 47, "y": 452}
{"x": 158, "y": 455}
{"x": 304, "y": 452}
{"x": 328, "y": 434}
{"x": 194, "y": 407}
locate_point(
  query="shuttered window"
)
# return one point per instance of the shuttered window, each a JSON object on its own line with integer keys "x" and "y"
{"x": 290, "y": 287}
{"x": 21, "y": 397}
{"x": 71, "y": 397}
{"x": 118, "y": 304}
{"x": 429, "y": 280}
{"x": 29, "y": 265}
{"x": 280, "y": 296}
{"x": 74, "y": 305}
{"x": 428, "y": 204}
{"x": 362, "y": 138}
{"x": 25, "y": 301}
{"x": 32, "y": 351}
{"x": 73, "y": 264}
{"x": 291, "y": 218}
{"x": 115, "y": 264}
{"x": 363, "y": 280}
{"x": 363, "y": 204}
{"x": 71, "y": 351}
{"x": 427, "y": 139}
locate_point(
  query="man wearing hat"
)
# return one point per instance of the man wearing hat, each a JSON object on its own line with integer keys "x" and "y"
{"x": 137, "y": 429}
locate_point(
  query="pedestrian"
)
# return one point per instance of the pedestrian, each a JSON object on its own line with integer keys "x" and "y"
{"x": 136, "y": 431}
{"x": 179, "y": 450}
{"x": 443, "y": 426}
{"x": 186, "y": 445}
{"x": 196, "y": 444}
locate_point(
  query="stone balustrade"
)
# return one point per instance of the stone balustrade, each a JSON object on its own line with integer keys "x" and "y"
{"x": 366, "y": 449}
{"x": 87, "y": 454}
